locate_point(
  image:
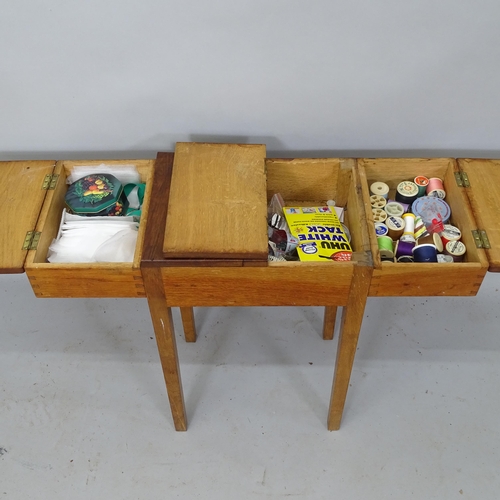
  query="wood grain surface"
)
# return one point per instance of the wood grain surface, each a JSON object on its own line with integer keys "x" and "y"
{"x": 418, "y": 279}
{"x": 22, "y": 198}
{"x": 79, "y": 280}
{"x": 217, "y": 205}
{"x": 161, "y": 316}
{"x": 484, "y": 196}
{"x": 279, "y": 284}
{"x": 352, "y": 318}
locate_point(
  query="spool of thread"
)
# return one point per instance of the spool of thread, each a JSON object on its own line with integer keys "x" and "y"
{"x": 445, "y": 259}
{"x": 380, "y": 189}
{"x": 450, "y": 233}
{"x": 433, "y": 239}
{"x": 381, "y": 229}
{"x": 406, "y": 207}
{"x": 456, "y": 249}
{"x": 395, "y": 226}
{"x": 394, "y": 208}
{"x": 425, "y": 253}
{"x": 406, "y": 192}
{"x": 409, "y": 231}
{"x": 404, "y": 248}
{"x": 420, "y": 229}
{"x": 422, "y": 183}
{"x": 377, "y": 201}
{"x": 436, "y": 188}
{"x": 379, "y": 215}
{"x": 385, "y": 247}
{"x": 406, "y": 258}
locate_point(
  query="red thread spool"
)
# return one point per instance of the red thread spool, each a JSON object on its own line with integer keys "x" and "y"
{"x": 436, "y": 188}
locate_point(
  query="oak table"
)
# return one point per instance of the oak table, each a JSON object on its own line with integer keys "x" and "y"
{"x": 206, "y": 245}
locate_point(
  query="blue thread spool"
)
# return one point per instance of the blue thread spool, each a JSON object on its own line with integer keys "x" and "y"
{"x": 381, "y": 229}
{"x": 425, "y": 253}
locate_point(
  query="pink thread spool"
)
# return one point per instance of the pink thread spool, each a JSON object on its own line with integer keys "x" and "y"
{"x": 436, "y": 188}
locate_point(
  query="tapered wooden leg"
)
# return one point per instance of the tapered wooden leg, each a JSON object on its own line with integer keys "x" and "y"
{"x": 352, "y": 317}
{"x": 161, "y": 316}
{"x": 188, "y": 324}
{"x": 329, "y": 322}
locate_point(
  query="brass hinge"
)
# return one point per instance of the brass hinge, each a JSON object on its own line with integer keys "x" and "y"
{"x": 462, "y": 179}
{"x": 481, "y": 238}
{"x": 50, "y": 182}
{"x": 31, "y": 240}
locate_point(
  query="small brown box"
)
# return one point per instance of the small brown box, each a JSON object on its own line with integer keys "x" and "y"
{"x": 460, "y": 279}
{"x": 35, "y": 193}
{"x": 201, "y": 262}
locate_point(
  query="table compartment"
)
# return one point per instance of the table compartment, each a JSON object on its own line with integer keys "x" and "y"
{"x": 301, "y": 182}
{"x": 420, "y": 279}
{"x": 85, "y": 279}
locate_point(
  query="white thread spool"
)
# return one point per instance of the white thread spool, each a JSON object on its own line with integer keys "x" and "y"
{"x": 380, "y": 189}
{"x": 394, "y": 208}
{"x": 409, "y": 232}
{"x": 377, "y": 201}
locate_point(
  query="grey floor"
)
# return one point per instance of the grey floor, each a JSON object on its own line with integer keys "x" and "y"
{"x": 84, "y": 413}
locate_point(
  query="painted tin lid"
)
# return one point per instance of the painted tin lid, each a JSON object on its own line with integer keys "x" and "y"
{"x": 93, "y": 193}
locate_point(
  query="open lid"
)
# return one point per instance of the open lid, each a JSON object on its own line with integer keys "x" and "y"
{"x": 22, "y": 192}
{"x": 217, "y": 206}
{"x": 482, "y": 182}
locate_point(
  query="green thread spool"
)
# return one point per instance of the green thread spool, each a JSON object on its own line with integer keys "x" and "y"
{"x": 385, "y": 246}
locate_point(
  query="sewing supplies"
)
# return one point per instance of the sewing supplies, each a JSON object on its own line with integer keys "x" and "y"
{"x": 395, "y": 226}
{"x": 404, "y": 248}
{"x": 409, "y": 229}
{"x": 433, "y": 239}
{"x": 377, "y": 201}
{"x": 380, "y": 189}
{"x": 394, "y": 208}
{"x": 436, "y": 188}
{"x": 381, "y": 229}
{"x": 416, "y": 228}
{"x": 379, "y": 215}
{"x": 450, "y": 233}
{"x": 420, "y": 229}
{"x": 445, "y": 259}
{"x": 422, "y": 183}
{"x": 430, "y": 208}
{"x": 385, "y": 245}
{"x": 425, "y": 253}
{"x": 406, "y": 192}
{"x": 456, "y": 249}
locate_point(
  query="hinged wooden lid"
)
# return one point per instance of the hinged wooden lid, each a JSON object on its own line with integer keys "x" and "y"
{"x": 22, "y": 194}
{"x": 217, "y": 206}
{"x": 484, "y": 196}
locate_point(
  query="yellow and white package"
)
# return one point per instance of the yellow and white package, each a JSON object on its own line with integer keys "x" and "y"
{"x": 319, "y": 232}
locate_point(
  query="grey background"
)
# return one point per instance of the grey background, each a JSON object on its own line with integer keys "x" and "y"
{"x": 127, "y": 78}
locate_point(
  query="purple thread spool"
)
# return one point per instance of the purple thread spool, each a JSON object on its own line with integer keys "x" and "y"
{"x": 404, "y": 248}
{"x": 425, "y": 253}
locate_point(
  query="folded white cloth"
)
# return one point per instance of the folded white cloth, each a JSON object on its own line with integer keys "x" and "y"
{"x": 94, "y": 239}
